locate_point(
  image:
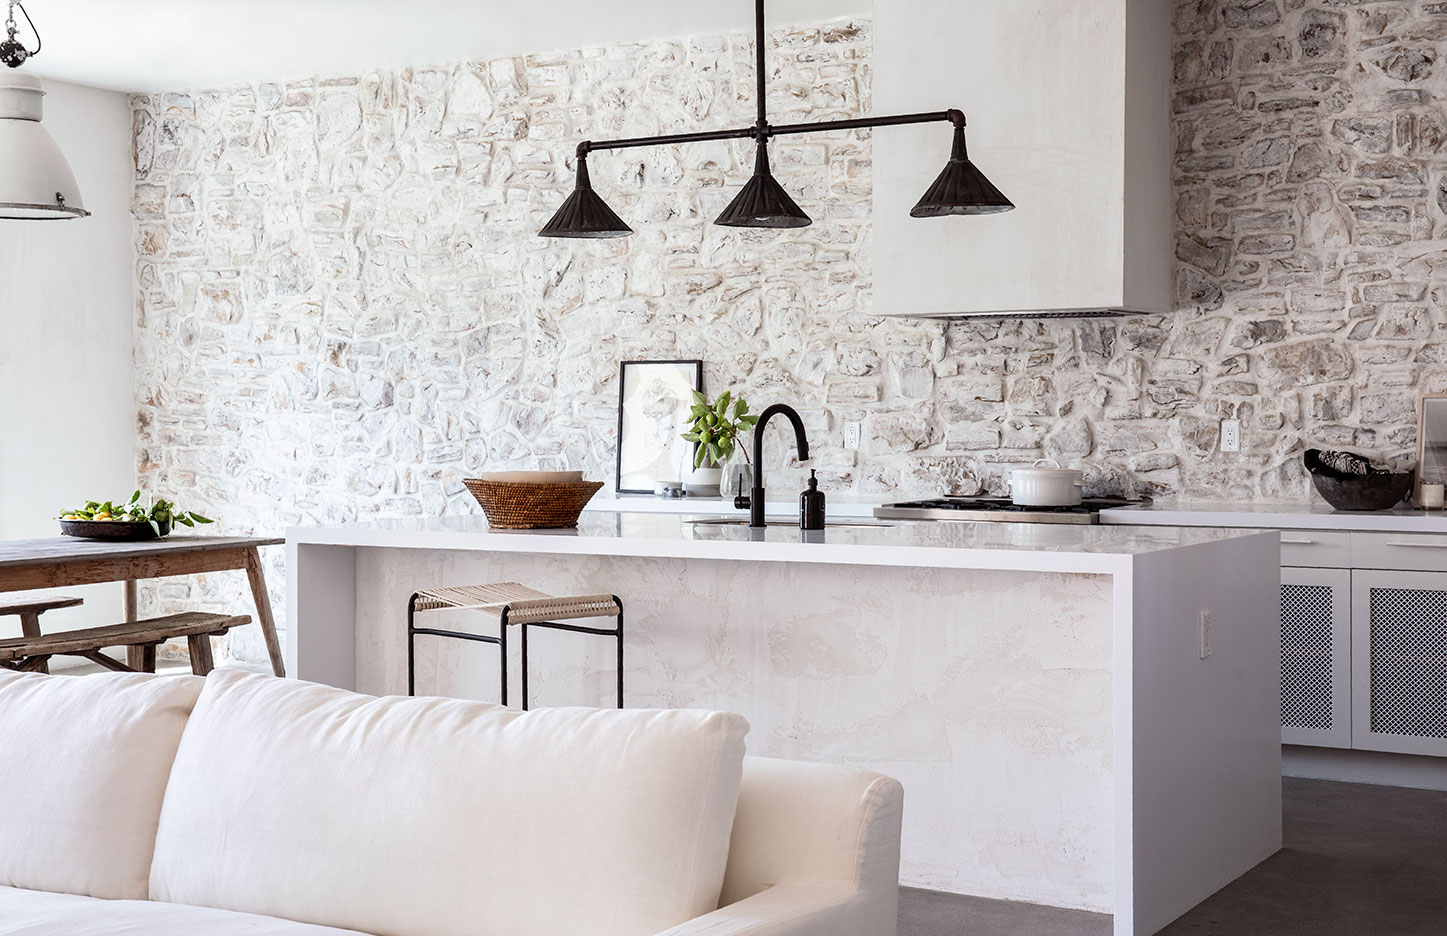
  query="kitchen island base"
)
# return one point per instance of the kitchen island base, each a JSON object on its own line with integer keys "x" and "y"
{"x": 1059, "y": 734}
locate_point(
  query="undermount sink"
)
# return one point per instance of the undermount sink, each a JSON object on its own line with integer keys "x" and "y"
{"x": 744, "y": 521}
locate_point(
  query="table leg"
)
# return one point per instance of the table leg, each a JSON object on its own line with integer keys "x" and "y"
{"x": 263, "y": 611}
{"x": 135, "y": 656}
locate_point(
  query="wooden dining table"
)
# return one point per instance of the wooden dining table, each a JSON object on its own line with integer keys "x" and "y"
{"x": 64, "y": 561}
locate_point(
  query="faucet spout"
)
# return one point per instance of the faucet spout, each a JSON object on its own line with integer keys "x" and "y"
{"x": 756, "y": 495}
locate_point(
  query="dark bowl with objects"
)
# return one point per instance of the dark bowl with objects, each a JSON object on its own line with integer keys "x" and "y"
{"x": 117, "y": 530}
{"x": 1378, "y": 489}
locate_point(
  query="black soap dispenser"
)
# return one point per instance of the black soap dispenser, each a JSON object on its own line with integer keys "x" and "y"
{"x": 811, "y": 506}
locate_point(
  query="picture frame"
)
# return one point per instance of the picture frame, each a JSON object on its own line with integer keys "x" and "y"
{"x": 654, "y": 398}
{"x": 1431, "y": 443}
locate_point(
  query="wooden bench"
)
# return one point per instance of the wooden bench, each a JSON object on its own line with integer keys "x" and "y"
{"x": 30, "y": 608}
{"x": 31, "y": 654}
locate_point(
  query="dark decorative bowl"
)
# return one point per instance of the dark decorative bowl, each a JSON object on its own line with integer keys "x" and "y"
{"x": 1376, "y": 491}
{"x": 119, "y": 530}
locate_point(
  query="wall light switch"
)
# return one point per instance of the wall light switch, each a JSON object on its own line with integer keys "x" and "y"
{"x": 852, "y": 431}
{"x": 1230, "y": 435}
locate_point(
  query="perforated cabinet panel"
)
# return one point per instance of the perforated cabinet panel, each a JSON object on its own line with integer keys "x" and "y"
{"x": 1399, "y": 651}
{"x": 1306, "y": 657}
{"x": 1316, "y": 676}
{"x": 1409, "y": 662}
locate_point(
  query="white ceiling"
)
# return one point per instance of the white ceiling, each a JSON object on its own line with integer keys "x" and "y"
{"x": 151, "y": 45}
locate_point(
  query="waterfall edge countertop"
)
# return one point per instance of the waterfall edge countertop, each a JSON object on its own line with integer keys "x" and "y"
{"x": 1004, "y": 546}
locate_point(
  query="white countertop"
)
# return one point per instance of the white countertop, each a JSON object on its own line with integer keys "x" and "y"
{"x": 1008, "y": 546}
{"x": 1277, "y": 516}
{"x": 782, "y": 504}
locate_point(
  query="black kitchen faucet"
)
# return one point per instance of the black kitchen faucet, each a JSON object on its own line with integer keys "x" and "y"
{"x": 755, "y": 501}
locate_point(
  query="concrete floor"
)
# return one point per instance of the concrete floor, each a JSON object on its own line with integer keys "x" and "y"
{"x": 1358, "y": 861}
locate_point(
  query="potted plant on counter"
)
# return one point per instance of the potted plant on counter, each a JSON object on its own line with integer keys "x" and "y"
{"x": 715, "y": 428}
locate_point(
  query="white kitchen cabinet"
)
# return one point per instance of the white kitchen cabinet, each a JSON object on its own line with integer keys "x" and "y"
{"x": 1316, "y": 676}
{"x": 1399, "y": 662}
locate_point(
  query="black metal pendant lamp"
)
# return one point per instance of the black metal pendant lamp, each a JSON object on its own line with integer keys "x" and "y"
{"x": 585, "y": 214}
{"x": 763, "y": 203}
{"x": 961, "y": 188}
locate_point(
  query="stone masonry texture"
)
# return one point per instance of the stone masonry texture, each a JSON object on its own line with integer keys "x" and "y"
{"x": 343, "y": 309}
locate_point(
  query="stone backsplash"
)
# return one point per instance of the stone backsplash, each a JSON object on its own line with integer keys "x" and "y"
{"x": 343, "y": 309}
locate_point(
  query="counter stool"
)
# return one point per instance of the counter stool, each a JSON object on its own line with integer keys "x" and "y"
{"x": 29, "y": 610}
{"x": 511, "y": 604}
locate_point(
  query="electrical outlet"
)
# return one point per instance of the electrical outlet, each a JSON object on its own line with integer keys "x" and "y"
{"x": 1207, "y": 625}
{"x": 1230, "y": 435}
{"x": 853, "y": 429}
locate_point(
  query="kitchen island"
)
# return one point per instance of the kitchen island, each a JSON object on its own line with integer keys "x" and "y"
{"x": 1081, "y": 716}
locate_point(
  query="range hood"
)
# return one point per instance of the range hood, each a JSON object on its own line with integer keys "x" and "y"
{"x": 1069, "y": 111}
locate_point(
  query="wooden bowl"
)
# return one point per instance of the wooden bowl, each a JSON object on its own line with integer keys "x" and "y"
{"x": 119, "y": 530}
{"x": 511, "y": 505}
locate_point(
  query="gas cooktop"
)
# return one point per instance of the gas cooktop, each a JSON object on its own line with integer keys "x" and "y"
{"x": 981, "y": 509}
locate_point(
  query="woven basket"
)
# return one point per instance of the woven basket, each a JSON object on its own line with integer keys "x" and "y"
{"x": 512, "y": 505}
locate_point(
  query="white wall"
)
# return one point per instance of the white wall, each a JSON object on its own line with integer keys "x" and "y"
{"x": 67, "y": 414}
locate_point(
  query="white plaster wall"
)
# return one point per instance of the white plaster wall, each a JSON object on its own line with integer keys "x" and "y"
{"x": 67, "y": 412}
{"x": 987, "y": 693}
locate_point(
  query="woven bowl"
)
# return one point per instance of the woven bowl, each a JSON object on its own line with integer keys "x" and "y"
{"x": 513, "y": 505}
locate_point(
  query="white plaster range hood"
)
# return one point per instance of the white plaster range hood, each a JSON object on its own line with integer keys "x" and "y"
{"x": 1069, "y": 113}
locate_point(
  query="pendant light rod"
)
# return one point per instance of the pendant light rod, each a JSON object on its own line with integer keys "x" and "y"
{"x": 761, "y": 36}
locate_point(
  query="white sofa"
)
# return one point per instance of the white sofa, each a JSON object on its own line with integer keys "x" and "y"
{"x": 242, "y": 804}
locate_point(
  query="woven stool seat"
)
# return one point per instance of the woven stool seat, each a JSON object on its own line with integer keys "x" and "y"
{"x": 510, "y": 603}
{"x": 525, "y": 605}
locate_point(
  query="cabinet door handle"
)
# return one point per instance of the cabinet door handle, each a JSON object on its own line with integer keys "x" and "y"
{"x": 1297, "y": 542}
{"x": 1419, "y": 545}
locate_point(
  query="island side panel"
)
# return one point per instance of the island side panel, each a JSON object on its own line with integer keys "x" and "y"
{"x": 987, "y": 693}
{"x": 321, "y": 589}
{"x": 1205, "y": 738}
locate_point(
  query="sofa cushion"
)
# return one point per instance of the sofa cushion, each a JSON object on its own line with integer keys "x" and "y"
{"x": 440, "y": 817}
{"x": 83, "y": 767}
{"x": 34, "y": 913}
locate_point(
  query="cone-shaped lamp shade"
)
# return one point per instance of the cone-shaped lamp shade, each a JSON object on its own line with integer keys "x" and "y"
{"x": 763, "y": 203}
{"x": 585, "y": 214}
{"x": 36, "y": 183}
{"x": 961, "y": 189}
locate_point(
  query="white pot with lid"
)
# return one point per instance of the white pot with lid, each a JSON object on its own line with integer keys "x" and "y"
{"x": 1046, "y": 484}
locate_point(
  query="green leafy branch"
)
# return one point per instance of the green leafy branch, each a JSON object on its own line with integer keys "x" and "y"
{"x": 716, "y": 426}
{"x": 156, "y": 511}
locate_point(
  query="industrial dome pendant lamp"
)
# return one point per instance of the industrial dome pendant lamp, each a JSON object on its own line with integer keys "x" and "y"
{"x": 961, "y": 188}
{"x": 36, "y": 183}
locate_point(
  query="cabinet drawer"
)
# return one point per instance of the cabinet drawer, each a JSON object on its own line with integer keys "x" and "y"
{"x": 1313, "y": 549}
{"x": 1411, "y": 552}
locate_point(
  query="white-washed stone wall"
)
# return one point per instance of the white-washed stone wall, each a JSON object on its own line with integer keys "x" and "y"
{"x": 343, "y": 308}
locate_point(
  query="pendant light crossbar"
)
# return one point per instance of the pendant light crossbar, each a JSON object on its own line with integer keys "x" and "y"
{"x": 769, "y": 131}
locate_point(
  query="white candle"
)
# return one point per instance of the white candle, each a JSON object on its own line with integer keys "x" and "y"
{"x": 1432, "y": 496}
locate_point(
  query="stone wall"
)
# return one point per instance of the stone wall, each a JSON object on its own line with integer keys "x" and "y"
{"x": 342, "y": 308}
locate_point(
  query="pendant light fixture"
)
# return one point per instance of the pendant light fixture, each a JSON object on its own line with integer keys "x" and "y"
{"x": 36, "y": 183}
{"x": 763, "y": 203}
{"x": 961, "y": 188}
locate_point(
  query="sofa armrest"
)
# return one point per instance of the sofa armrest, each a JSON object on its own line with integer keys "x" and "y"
{"x": 791, "y": 909}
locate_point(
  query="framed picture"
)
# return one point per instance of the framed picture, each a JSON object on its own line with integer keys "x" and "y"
{"x": 654, "y": 398}
{"x": 1431, "y": 443}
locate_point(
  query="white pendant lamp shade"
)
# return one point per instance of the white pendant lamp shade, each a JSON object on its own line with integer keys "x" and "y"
{"x": 35, "y": 180}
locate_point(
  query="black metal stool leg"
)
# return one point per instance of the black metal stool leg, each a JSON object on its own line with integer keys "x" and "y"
{"x": 502, "y": 646}
{"x": 411, "y": 645}
{"x": 620, "y": 649}
{"x": 525, "y": 667}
